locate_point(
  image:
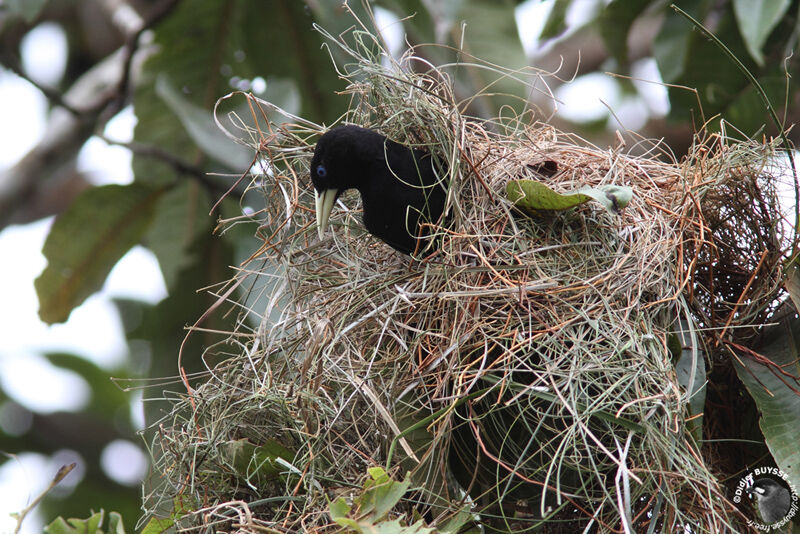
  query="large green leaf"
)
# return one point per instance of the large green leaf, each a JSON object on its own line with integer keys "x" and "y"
{"x": 487, "y": 29}
{"x": 757, "y": 19}
{"x": 556, "y": 22}
{"x": 87, "y": 240}
{"x": 747, "y": 111}
{"x": 381, "y": 493}
{"x": 160, "y": 525}
{"x": 615, "y": 23}
{"x": 181, "y": 217}
{"x": 419, "y": 24}
{"x": 775, "y": 390}
{"x": 293, "y": 49}
{"x": 717, "y": 79}
{"x": 396, "y": 526}
{"x": 671, "y": 45}
{"x": 793, "y": 282}
{"x": 491, "y": 34}
{"x": 199, "y": 124}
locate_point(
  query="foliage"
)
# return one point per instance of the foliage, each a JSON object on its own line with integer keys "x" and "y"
{"x": 91, "y": 525}
{"x": 371, "y": 507}
{"x": 771, "y": 379}
{"x": 533, "y": 196}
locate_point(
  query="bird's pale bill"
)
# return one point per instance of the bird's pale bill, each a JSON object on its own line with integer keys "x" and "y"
{"x": 324, "y": 203}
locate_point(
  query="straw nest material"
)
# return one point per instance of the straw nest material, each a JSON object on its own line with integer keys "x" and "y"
{"x": 521, "y": 370}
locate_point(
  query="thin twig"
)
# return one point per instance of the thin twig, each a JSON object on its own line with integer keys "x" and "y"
{"x": 62, "y": 472}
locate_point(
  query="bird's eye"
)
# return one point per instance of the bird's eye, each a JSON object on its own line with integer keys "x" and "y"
{"x": 321, "y": 171}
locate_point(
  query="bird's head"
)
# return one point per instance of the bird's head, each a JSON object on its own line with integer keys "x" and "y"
{"x": 337, "y": 165}
{"x": 763, "y": 488}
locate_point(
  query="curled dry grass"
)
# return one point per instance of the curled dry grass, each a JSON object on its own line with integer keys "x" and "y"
{"x": 534, "y": 347}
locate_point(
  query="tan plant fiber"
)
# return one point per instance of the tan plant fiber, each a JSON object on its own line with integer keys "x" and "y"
{"x": 520, "y": 369}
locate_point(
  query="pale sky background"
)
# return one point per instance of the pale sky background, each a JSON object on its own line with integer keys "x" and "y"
{"x": 94, "y": 330}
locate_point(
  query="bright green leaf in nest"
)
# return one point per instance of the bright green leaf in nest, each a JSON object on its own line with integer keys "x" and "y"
{"x": 533, "y": 197}
{"x": 379, "y": 495}
{"x": 159, "y": 525}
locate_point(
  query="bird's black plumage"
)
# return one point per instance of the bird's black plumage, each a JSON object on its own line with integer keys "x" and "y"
{"x": 399, "y": 186}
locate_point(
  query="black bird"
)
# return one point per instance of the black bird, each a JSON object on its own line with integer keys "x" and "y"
{"x": 399, "y": 186}
{"x": 773, "y": 499}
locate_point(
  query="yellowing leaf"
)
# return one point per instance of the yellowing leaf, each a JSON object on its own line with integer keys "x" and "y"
{"x": 532, "y": 196}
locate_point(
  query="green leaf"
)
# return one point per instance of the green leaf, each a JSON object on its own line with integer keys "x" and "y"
{"x": 793, "y": 282}
{"x": 381, "y": 494}
{"x": 396, "y": 526}
{"x": 756, "y": 20}
{"x": 556, "y": 22}
{"x": 353, "y": 525}
{"x": 339, "y": 509}
{"x": 181, "y": 218}
{"x": 690, "y": 370}
{"x": 615, "y": 23}
{"x": 491, "y": 35}
{"x": 291, "y": 49}
{"x": 204, "y": 69}
{"x": 747, "y": 110}
{"x": 199, "y": 124}
{"x": 456, "y": 524}
{"x": 775, "y": 393}
{"x": 532, "y": 196}
{"x": 27, "y": 9}
{"x": 158, "y": 525}
{"x": 87, "y": 240}
{"x": 91, "y": 525}
{"x": 718, "y": 80}
{"x": 421, "y": 27}
{"x": 671, "y": 45}
{"x": 115, "y": 525}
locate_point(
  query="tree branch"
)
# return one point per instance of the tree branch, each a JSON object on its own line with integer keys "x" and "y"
{"x": 174, "y": 161}
{"x": 96, "y": 96}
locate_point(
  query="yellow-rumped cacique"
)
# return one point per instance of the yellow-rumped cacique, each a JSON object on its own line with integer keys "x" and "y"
{"x": 400, "y": 188}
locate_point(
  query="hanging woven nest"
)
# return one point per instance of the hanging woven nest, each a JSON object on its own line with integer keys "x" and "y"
{"x": 522, "y": 370}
